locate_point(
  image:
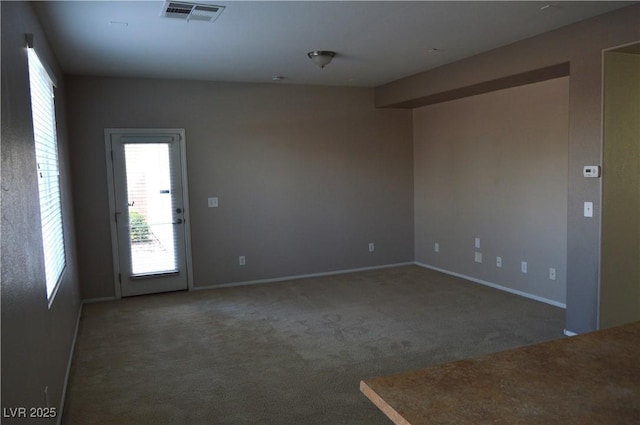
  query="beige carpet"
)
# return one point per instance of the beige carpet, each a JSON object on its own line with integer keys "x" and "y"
{"x": 285, "y": 353}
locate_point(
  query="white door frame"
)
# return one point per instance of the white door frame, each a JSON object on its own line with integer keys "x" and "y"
{"x": 112, "y": 200}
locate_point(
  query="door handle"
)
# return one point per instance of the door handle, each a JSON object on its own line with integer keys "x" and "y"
{"x": 178, "y": 221}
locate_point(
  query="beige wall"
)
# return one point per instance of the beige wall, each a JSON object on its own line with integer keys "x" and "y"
{"x": 306, "y": 176}
{"x": 580, "y": 45}
{"x": 36, "y": 339}
{"x": 494, "y": 166}
{"x": 620, "y": 275}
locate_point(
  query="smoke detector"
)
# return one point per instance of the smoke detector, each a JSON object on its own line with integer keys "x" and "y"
{"x": 191, "y": 11}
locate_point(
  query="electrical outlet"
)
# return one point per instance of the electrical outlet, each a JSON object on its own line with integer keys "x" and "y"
{"x": 523, "y": 267}
{"x": 212, "y": 202}
{"x": 478, "y": 257}
{"x": 436, "y": 247}
{"x": 498, "y": 261}
{"x": 241, "y": 260}
{"x": 372, "y": 247}
{"x": 552, "y": 273}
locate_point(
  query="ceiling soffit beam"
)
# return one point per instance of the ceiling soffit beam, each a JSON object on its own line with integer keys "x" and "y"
{"x": 529, "y": 77}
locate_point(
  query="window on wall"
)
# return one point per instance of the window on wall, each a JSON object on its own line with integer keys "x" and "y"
{"x": 48, "y": 171}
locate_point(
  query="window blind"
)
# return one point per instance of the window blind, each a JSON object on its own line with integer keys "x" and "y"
{"x": 46, "y": 146}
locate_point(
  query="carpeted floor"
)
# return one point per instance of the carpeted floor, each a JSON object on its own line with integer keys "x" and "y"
{"x": 285, "y": 353}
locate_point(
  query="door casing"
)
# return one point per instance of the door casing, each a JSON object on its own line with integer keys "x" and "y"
{"x": 112, "y": 202}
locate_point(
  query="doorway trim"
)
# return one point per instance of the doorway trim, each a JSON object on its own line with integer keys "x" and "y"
{"x": 603, "y": 140}
{"x": 112, "y": 200}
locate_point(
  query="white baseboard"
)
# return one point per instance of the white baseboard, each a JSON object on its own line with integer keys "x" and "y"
{"x": 362, "y": 269}
{"x": 301, "y": 276}
{"x": 69, "y": 362}
{"x": 99, "y": 300}
{"x": 495, "y": 286}
{"x": 567, "y": 332}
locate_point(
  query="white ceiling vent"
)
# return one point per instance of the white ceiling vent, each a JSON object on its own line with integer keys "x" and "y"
{"x": 191, "y": 11}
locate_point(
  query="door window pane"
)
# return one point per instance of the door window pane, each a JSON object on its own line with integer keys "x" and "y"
{"x": 150, "y": 208}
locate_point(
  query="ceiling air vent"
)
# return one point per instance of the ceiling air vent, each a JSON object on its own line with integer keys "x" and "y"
{"x": 191, "y": 11}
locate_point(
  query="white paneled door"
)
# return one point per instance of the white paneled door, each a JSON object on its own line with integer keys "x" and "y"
{"x": 149, "y": 215}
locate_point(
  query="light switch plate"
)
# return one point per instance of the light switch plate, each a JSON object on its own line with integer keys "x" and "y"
{"x": 212, "y": 202}
{"x": 588, "y": 209}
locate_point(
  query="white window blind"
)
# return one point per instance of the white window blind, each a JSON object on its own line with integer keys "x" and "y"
{"x": 44, "y": 129}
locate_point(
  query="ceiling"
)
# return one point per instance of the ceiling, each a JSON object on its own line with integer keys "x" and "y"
{"x": 251, "y": 41}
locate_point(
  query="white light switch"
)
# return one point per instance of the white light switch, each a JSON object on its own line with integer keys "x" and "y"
{"x": 588, "y": 209}
{"x": 477, "y": 242}
{"x": 213, "y": 202}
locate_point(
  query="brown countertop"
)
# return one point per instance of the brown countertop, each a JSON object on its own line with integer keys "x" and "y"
{"x": 582, "y": 380}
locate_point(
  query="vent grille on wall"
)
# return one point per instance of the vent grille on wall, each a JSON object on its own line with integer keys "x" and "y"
{"x": 191, "y": 11}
